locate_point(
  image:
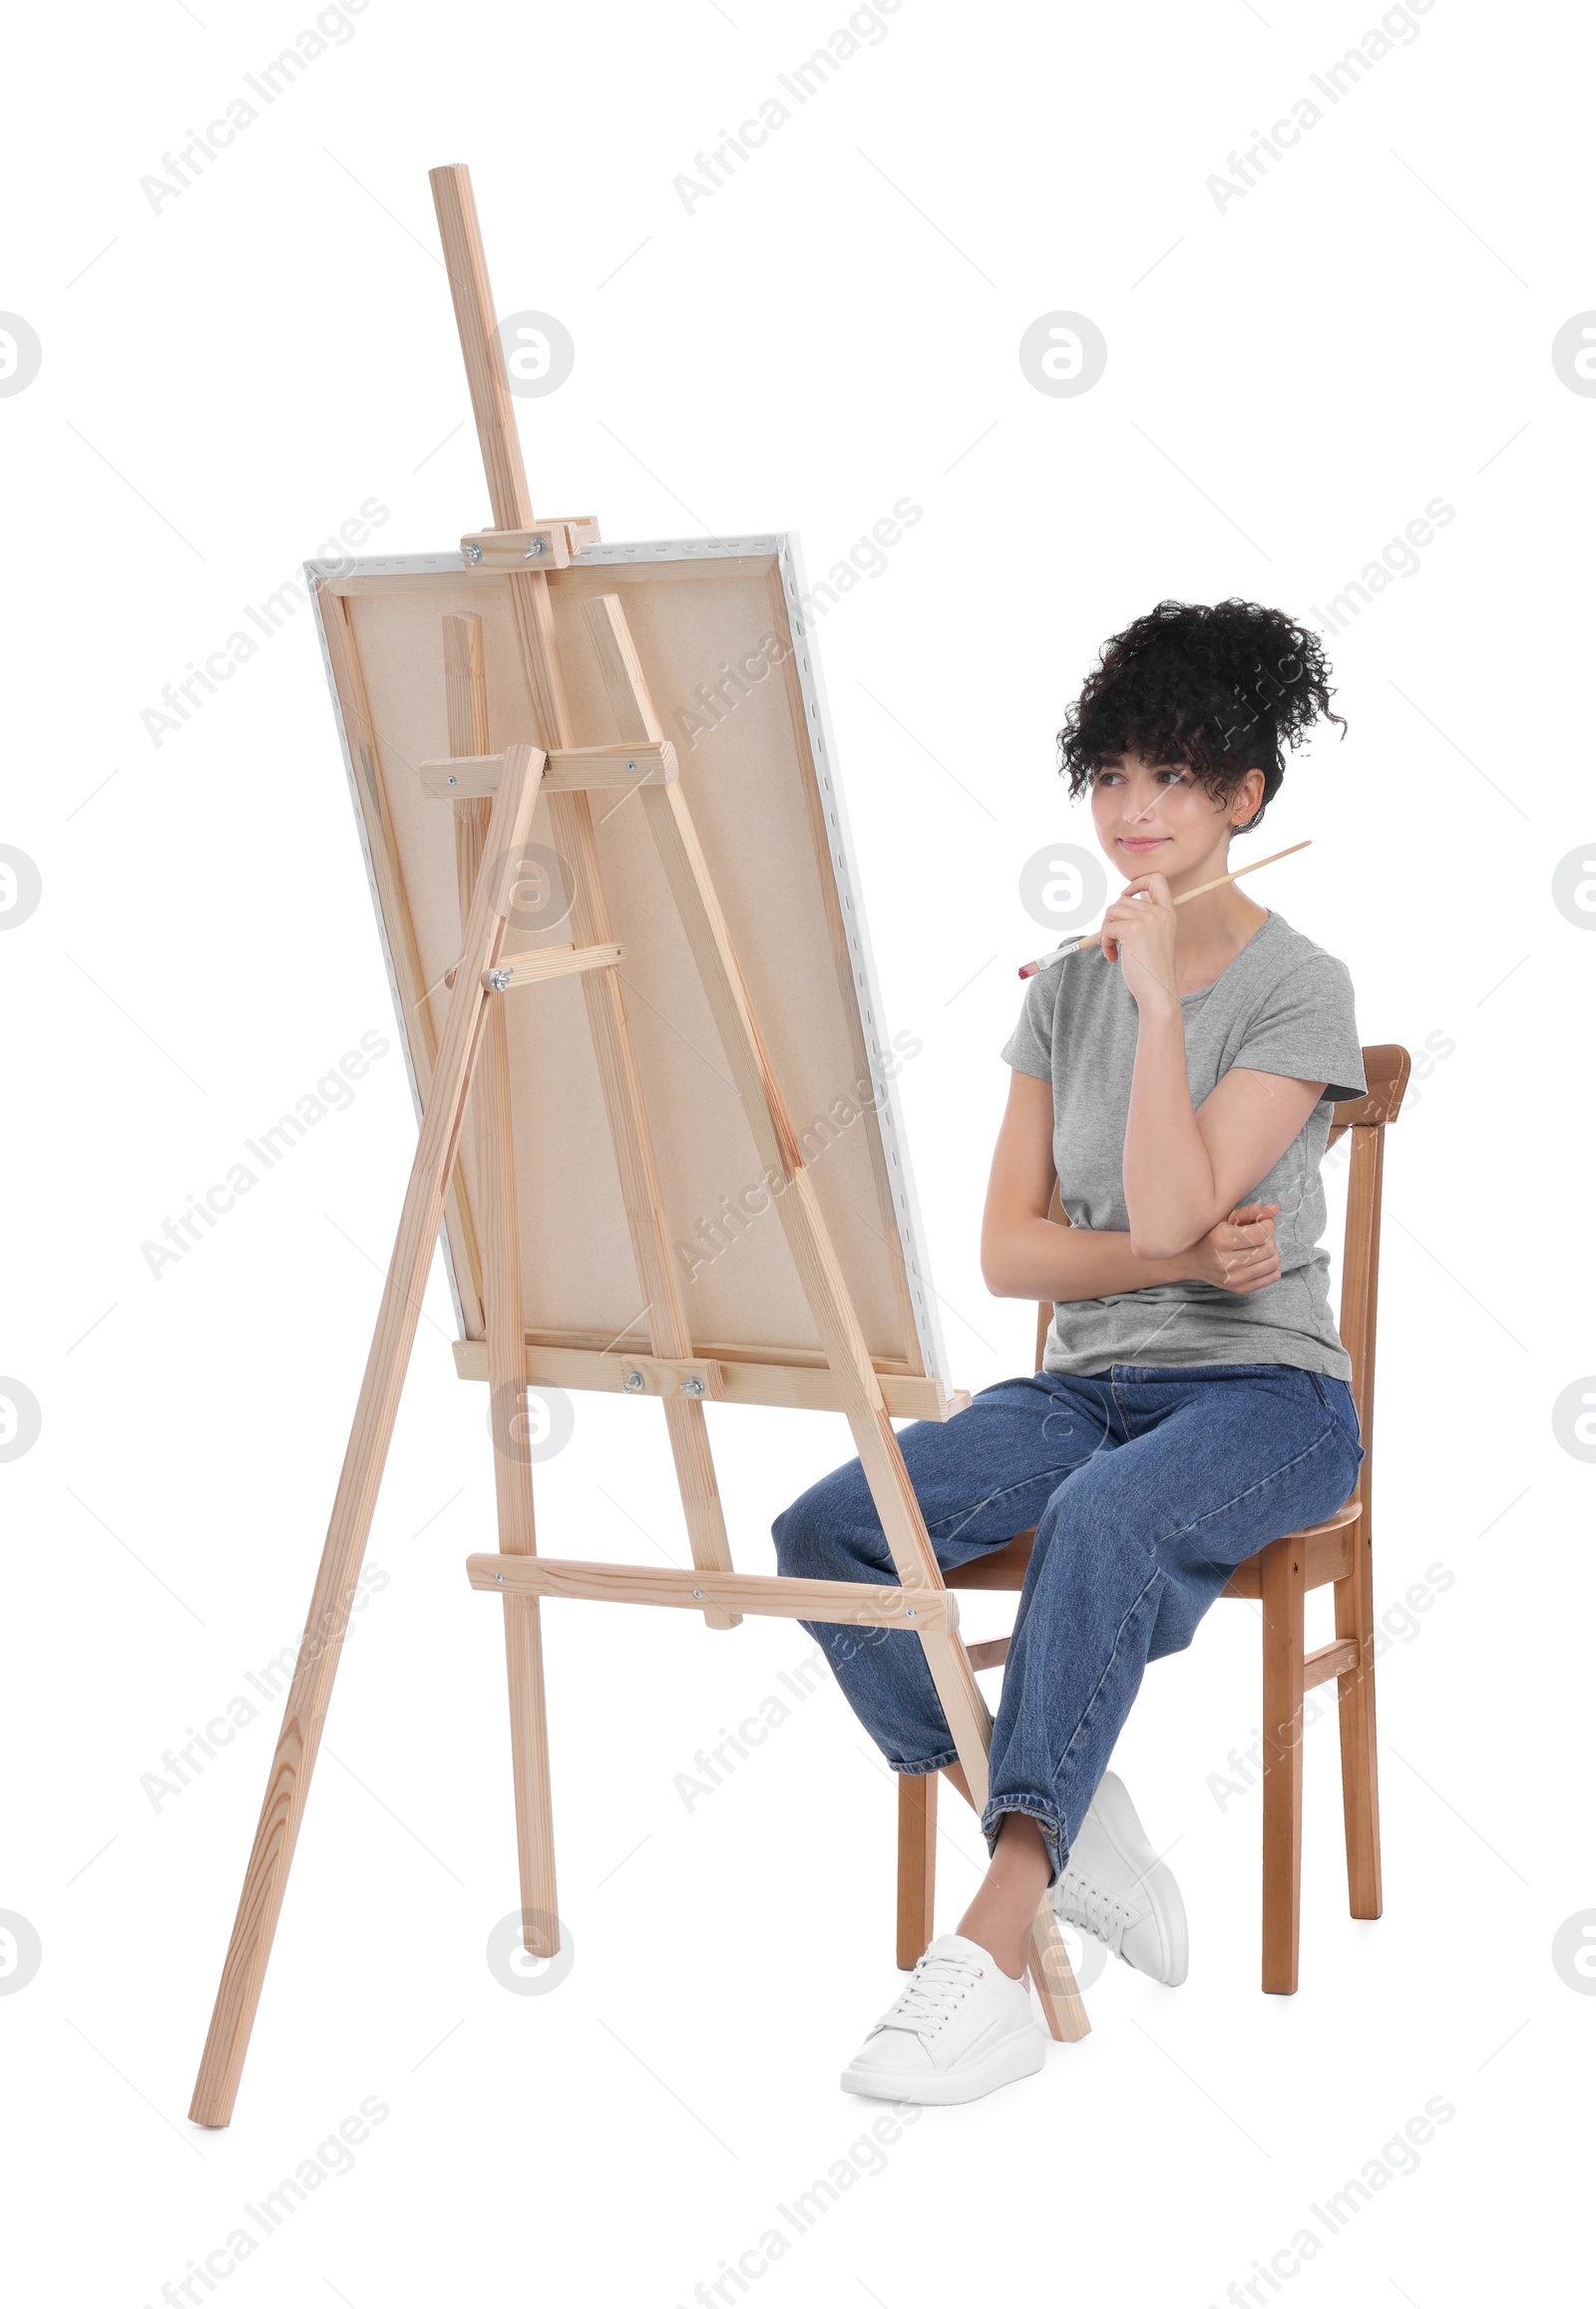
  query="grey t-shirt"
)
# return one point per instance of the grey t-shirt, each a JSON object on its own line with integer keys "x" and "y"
{"x": 1282, "y": 1005}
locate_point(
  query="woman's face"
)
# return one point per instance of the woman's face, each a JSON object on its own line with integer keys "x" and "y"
{"x": 1158, "y": 818}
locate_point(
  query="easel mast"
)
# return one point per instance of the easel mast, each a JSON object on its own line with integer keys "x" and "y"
{"x": 472, "y": 1056}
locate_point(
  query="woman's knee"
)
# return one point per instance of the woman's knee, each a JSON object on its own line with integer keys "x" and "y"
{"x": 831, "y": 1531}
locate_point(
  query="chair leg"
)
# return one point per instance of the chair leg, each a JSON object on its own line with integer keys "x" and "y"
{"x": 1359, "y": 1771}
{"x": 917, "y": 1865}
{"x": 1282, "y": 1585}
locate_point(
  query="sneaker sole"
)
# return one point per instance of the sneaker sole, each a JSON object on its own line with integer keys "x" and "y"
{"x": 1117, "y": 1815}
{"x": 1018, "y": 2055}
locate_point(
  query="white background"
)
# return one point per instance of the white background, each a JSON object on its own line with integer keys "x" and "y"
{"x": 1290, "y": 379}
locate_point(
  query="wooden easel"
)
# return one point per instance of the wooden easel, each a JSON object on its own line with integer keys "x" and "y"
{"x": 492, "y": 798}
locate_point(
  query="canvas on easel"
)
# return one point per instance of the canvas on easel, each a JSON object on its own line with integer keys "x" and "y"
{"x": 656, "y": 1125}
{"x": 760, "y": 787}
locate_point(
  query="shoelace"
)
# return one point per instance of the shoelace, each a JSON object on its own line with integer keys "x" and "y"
{"x": 1095, "y": 1911}
{"x": 939, "y": 1984}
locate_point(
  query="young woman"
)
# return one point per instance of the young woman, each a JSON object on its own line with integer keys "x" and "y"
{"x": 1194, "y": 1403}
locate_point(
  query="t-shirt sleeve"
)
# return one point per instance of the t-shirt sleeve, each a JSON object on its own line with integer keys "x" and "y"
{"x": 1308, "y": 1028}
{"x": 1030, "y": 1048}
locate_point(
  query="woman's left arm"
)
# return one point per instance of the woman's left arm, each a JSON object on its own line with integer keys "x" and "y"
{"x": 1184, "y": 1170}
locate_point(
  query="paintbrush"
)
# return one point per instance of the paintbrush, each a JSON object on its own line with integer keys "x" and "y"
{"x": 1094, "y": 937}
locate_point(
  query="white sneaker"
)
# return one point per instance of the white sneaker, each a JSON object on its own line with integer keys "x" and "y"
{"x": 1116, "y": 1888}
{"x": 961, "y": 2028}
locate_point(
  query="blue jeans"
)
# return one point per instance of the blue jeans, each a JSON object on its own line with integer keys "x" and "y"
{"x": 1146, "y": 1486}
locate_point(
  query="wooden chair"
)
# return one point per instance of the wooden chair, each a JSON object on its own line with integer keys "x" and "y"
{"x": 1278, "y": 1577}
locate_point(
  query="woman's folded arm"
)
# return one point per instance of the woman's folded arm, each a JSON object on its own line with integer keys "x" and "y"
{"x": 1037, "y": 1259}
{"x": 1027, "y": 1254}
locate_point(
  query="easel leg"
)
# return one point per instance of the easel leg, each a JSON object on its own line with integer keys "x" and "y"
{"x": 501, "y": 1294}
{"x": 1054, "y": 1978}
{"x": 266, "y": 1876}
{"x": 501, "y": 1283}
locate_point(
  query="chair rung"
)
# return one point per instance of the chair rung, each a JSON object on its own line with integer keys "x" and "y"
{"x": 1337, "y": 1659}
{"x": 988, "y": 1655}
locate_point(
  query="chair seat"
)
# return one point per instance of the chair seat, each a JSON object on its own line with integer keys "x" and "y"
{"x": 1329, "y": 1546}
{"x": 1329, "y": 1553}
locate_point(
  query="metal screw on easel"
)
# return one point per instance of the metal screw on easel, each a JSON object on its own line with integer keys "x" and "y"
{"x": 473, "y": 554}
{"x": 499, "y": 981}
{"x": 697, "y": 1595}
{"x": 500, "y": 1577}
{"x": 635, "y": 1383}
{"x": 694, "y": 1387}
{"x": 536, "y": 550}
{"x": 453, "y": 780}
{"x": 632, "y": 765}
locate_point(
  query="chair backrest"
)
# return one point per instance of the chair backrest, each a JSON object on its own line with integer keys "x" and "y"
{"x": 1386, "y": 1066}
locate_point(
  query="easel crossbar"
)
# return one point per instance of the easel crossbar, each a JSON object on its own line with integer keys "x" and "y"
{"x": 841, "y": 1602}
{"x": 569, "y": 770}
{"x": 529, "y": 970}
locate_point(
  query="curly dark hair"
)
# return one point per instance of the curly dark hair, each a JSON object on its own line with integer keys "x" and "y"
{"x": 1219, "y": 689}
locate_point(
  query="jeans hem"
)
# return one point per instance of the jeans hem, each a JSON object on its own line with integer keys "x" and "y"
{"x": 1046, "y": 1818}
{"x": 931, "y": 1764}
